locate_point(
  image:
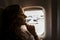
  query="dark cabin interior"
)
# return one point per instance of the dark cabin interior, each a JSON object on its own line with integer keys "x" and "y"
{"x": 52, "y": 8}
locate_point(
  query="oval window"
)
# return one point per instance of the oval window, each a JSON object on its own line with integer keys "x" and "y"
{"x": 36, "y": 16}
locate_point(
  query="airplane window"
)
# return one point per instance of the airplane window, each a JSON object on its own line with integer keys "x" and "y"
{"x": 36, "y": 17}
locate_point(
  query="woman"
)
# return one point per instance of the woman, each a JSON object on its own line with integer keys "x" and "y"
{"x": 13, "y": 21}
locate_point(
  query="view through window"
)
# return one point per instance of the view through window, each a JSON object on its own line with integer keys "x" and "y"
{"x": 36, "y": 18}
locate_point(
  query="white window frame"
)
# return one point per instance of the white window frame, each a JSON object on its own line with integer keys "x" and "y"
{"x": 37, "y": 7}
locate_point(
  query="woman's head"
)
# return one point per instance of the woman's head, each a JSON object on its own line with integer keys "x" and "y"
{"x": 13, "y": 17}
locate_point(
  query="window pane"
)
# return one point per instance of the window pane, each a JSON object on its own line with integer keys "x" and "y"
{"x": 36, "y": 18}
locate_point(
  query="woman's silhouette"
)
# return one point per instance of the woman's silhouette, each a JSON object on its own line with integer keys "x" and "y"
{"x": 14, "y": 26}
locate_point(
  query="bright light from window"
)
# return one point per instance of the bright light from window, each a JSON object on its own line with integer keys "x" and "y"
{"x": 36, "y": 18}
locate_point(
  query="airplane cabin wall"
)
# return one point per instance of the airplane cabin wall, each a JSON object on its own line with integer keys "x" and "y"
{"x": 58, "y": 20}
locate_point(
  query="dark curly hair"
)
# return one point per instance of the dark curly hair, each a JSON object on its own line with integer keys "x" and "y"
{"x": 12, "y": 16}
{"x": 11, "y": 20}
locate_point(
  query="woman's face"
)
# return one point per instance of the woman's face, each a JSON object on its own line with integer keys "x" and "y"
{"x": 22, "y": 18}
